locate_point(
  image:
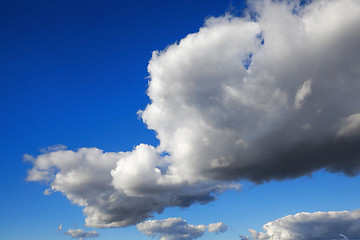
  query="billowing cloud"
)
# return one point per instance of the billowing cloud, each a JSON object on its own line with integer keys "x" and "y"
{"x": 312, "y": 226}
{"x": 81, "y": 234}
{"x": 223, "y": 118}
{"x": 274, "y": 97}
{"x": 177, "y": 229}
{"x": 119, "y": 189}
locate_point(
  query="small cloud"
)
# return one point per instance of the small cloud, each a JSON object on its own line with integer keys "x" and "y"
{"x": 218, "y": 227}
{"x": 350, "y": 126}
{"x": 53, "y": 148}
{"x": 342, "y": 235}
{"x": 47, "y": 192}
{"x": 60, "y": 228}
{"x": 302, "y": 93}
{"x": 177, "y": 229}
{"x": 242, "y": 237}
{"x": 28, "y": 158}
{"x": 81, "y": 234}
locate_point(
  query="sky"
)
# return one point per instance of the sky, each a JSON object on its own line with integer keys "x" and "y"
{"x": 180, "y": 120}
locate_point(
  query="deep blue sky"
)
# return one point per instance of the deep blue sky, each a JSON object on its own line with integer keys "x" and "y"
{"x": 74, "y": 73}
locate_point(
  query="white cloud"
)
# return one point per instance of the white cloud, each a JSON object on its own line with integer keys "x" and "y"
{"x": 60, "y": 228}
{"x": 312, "y": 226}
{"x": 120, "y": 189}
{"x": 302, "y": 93}
{"x": 177, "y": 229}
{"x": 217, "y": 227}
{"x": 351, "y": 126}
{"x": 220, "y": 114}
{"x": 81, "y": 234}
{"x": 218, "y": 119}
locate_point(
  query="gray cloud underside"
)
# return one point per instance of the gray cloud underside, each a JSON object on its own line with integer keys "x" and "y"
{"x": 334, "y": 155}
{"x": 274, "y": 98}
{"x": 312, "y": 226}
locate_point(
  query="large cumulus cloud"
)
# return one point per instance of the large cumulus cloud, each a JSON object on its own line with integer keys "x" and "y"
{"x": 278, "y": 116}
{"x": 312, "y": 226}
{"x": 273, "y": 95}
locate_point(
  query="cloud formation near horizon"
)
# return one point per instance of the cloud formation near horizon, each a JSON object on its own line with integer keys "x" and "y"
{"x": 177, "y": 229}
{"x": 311, "y": 226}
{"x": 271, "y": 98}
{"x": 81, "y": 234}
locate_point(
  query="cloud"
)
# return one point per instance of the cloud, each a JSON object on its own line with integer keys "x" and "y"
{"x": 218, "y": 227}
{"x": 351, "y": 126}
{"x": 53, "y": 148}
{"x": 302, "y": 93}
{"x": 119, "y": 189}
{"x": 223, "y": 119}
{"x": 312, "y": 226}
{"x": 177, "y": 229}
{"x": 232, "y": 101}
{"x": 81, "y": 234}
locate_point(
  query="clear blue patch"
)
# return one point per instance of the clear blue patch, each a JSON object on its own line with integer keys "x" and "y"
{"x": 247, "y": 61}
{"x": 260, "y": 37}
{"x": 237, "y": 9}
{"x": 163, "y": 154}
{"x": 303, "y": 3}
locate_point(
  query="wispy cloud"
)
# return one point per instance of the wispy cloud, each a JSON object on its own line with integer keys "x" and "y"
{"x": 59, "y": 228}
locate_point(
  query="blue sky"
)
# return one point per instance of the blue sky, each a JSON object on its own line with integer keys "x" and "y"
{"x": 76, "y": 73}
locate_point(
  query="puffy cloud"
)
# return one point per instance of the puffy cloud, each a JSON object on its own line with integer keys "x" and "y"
{"x": 312, "y": 226}
{"x": 177, "y": 229}
{"x": 264, "y": 99}
{"x": 119, "y": 189}
{"x": 81, "y": 234}
{"x": 217, "y": 227}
